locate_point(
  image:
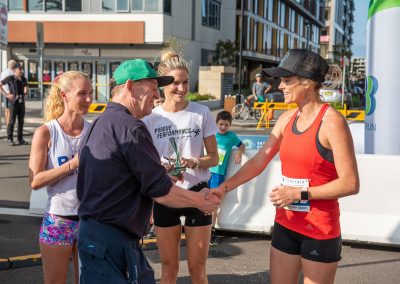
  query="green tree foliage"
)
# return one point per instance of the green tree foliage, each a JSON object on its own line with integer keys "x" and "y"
{"x": 226, "y": 53}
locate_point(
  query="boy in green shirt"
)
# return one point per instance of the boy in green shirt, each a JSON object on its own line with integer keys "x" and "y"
{"x": 226, "y": 140}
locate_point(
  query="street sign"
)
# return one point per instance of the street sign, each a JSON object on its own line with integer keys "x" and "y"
{"x": 3, "y": 24}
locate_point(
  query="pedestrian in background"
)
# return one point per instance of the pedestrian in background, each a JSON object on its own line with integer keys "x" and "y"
{"x": 120, "y": 175}
{"x": 260, "y": 89}
{"x": 318, "y": 167}
{"x": 226, "y": 140}
{"x": 5, "y": 90}
{"x": 18, "y": 90}
{"x": 53, "y": 163}
{"x": 193, "y": 128}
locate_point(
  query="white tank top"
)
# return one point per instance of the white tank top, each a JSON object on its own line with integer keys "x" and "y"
{"x": 62, "y": 194}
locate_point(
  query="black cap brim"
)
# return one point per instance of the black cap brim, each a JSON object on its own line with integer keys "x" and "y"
{"x": 164, "y": 80}
{"x": 277, "y": 72}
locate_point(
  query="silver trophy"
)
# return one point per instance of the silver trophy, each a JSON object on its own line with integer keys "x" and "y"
{"x": 175, "y": 149}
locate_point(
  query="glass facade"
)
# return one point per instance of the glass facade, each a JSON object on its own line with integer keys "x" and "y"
{"x": 274, "y": 26}
{"x": 15, "y": 5}
{"x": 109, "y": 6}
{"x": 35, "y": 5}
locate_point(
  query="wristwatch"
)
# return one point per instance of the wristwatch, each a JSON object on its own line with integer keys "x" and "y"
{"x": 304, "y": 194}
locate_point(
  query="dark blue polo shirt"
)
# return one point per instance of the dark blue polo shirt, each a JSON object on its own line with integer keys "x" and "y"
{"x": 120, "y": 172}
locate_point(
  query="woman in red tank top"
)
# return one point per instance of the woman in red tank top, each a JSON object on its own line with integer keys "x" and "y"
{"x": 318, "y": 167}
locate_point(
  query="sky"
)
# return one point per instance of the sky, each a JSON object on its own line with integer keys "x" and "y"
{"x": 360, "y": 28}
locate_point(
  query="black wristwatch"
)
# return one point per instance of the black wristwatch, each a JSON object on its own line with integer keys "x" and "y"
{"x": 304, "y": 194}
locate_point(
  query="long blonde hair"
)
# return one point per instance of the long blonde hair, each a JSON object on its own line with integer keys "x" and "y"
{"x": 54, "y": 106}
{"x": 171, "y": 60}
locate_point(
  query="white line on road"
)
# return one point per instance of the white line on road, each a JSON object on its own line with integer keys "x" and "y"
{"x": 16, "y": 211}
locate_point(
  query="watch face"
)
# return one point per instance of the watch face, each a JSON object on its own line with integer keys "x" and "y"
{"x": 304, "y": 195}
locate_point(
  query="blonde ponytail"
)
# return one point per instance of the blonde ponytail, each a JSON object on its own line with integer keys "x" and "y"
{"x": 171, "y": 60}
{"x": 54, "y": 106}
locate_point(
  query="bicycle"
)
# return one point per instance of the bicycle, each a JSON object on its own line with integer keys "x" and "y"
{"x": 242, "y": 111}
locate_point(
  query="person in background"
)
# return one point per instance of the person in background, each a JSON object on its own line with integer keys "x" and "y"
{"x": 18, "y": 87}
{"x": 192, "y": 127}
{"x": 152, "y": 233}
{"x": 53, "y": 163}
{"x": 5, "y": 90}
{"x": 226, "y": 140}
{"x": 120, "y": 175}
{"x": 260, "y": 89}
{"x": 318, "y": 167}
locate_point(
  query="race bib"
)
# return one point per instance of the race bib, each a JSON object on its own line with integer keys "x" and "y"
{"x": 221, "y": 155}
{"x": 301, "y": 206}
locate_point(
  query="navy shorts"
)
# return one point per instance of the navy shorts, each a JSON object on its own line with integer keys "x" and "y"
{"x": 290, "y": 242}
{"x": 110, "y": 256}
{"x": 168, "y": 217}
{"x": 215, "y": 180}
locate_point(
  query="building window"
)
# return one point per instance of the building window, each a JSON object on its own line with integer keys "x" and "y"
{"x": 152, "y": 6}
{"x": 108, "y": 6}
{"x": 54, "y": 5}
{"x": 167, "y": 7}
{"x": 122, "y": 5}
{"x": 15, "y": 5}
{"x": 35, "y": 5}
{"x": 270, "y": 10}
{"x": 73, "y": 6}
{"x": 211, "y": 13}
{"x": 137, "y": 5}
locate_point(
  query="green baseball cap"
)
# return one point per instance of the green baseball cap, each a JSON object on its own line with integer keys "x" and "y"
{"x": 138, "y": 69}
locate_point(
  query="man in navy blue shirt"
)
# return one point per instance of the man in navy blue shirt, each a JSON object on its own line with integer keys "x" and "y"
{"x": 120, "y": 175}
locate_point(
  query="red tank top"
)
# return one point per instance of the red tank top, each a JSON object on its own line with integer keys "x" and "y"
{"x": 301, "y": 161}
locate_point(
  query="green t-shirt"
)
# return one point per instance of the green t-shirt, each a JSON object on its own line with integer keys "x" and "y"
{"x": 225, "y": 143}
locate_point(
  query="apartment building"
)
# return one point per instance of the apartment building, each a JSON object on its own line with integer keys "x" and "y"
{"x": 271, "y": 27}
{"x": 95, "y": 36}
{"x": 336, "y": 37}
{"x": 357, "y": 68}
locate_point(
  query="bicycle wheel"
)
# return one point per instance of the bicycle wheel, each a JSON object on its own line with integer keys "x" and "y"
{"x": 257, "y": 114}
{"x": 240, "y": 112}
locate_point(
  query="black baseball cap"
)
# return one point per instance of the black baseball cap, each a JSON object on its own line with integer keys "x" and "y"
{"x": 300, "y": 62}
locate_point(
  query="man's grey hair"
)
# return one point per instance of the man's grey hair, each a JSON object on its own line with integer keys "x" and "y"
{"x": 12, "y": 64}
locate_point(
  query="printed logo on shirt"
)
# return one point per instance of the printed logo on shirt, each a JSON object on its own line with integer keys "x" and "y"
{"x": 168, "y": 131}
{"x": 62, "y": 160}
{"x": 300, "y": 206}
{"x": 221, "y": 156}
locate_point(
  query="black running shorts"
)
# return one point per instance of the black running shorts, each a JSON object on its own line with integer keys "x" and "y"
{"x": 290, "y": 242}
{"x": 168, "y": 217}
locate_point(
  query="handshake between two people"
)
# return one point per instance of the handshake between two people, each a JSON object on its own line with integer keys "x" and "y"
{"x": 212, "y": 200}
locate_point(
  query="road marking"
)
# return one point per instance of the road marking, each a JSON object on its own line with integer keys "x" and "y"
{"x": 15, "y": 211}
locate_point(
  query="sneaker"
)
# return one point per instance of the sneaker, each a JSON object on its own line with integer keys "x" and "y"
{"x": 214, "y": 240}
{"x": 23, "y": 142}
{"x": 11, "y": 142}
{"x": 152, "y": 233}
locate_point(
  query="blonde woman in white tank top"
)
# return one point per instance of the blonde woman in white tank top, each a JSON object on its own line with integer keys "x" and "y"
{"x": 54, "y": 163}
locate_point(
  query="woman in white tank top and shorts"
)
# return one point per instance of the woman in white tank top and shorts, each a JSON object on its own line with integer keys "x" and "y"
{"x": 53, "y": 163}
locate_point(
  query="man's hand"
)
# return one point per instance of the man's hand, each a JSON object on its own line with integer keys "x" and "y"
{"x": 210, "y": 203}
